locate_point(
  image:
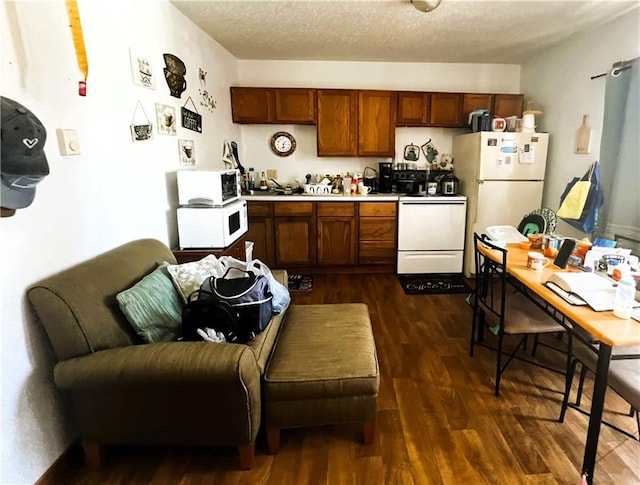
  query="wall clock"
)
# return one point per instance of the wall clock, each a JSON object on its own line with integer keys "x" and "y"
{"x": 283, "y": 144}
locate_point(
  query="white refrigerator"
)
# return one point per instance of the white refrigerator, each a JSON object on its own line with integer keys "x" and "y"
{"x": 502, "y": 175}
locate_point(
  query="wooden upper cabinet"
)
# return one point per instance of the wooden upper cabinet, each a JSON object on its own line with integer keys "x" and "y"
{"x": 472, "y": 102}
{"x": 295, "y": 105}
{"x": 446, "y": 109}
{"x": 508, "y": 105}
{"x": 376, "y": 123}
{"x": 273, "y": 105}
{"x": 251, "y": 105}
{"x": 337, "y": 132}
{"x": 413, "y": 109}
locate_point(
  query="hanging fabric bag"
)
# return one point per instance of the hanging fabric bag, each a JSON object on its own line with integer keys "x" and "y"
{"x": 588, "y": 197}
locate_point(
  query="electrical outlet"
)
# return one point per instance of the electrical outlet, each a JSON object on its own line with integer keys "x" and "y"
{"x": 272, "y": 174}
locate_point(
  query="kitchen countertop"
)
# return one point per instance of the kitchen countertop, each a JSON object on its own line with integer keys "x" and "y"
{"x": 272, "y": 197}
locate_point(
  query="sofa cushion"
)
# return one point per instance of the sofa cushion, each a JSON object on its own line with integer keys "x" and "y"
{"x": 187, "y": 277}
{"x": 153, "y": 306}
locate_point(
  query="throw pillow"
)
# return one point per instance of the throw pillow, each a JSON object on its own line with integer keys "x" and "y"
{"x": 152, "y": 306}
{"x": 188, "y": 277}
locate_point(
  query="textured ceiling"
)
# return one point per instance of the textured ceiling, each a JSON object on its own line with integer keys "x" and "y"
{"x": 476, "y": 31}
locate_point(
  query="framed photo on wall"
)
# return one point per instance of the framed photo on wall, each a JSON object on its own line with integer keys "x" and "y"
{"x": 166, "y": 118}
{"x": 187, "y": 154}
{"x": 141, "y": 70}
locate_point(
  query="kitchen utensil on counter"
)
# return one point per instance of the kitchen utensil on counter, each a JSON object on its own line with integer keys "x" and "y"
{"x": 449, "y": 184}
{"x": 363, "y": 189}
{"x": 370, "y": 179}
{"x": 346, "y": 184}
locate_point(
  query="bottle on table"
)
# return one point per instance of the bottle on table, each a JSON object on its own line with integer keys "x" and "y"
{"x": 625, "y": 296}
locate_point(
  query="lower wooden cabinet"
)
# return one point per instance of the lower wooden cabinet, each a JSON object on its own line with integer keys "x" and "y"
{"x": 341, "y": 236}
{"x": 261, "y": 231}
{"x": 336, "y": 225}
{"x": 294, "y": 234}
{"x": 377, "y": 233}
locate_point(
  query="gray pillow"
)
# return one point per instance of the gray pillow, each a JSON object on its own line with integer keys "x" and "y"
{"x": 153, "y": 307}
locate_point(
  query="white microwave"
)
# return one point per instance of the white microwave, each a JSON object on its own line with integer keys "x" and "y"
{"x": 209, "y": 188}
{"x": 212, "y": 227}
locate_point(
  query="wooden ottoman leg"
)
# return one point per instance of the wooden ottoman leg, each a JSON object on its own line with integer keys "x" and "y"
{"x": 273, "y": 440}
{"x": 246, "y": 452}
{"x": 92, "y": 454}
{"x": 368, "y": 432}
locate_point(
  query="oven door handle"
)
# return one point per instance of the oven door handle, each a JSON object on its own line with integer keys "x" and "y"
{"x": 433, "y": 203}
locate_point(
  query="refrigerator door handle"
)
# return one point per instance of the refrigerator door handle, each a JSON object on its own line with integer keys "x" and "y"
{"x": 475, "y": 209}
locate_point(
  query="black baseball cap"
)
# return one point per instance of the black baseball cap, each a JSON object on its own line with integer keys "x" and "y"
{"x": 23, "y": 163}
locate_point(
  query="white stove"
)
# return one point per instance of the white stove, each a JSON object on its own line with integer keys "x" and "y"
{"x": 431, "y": 233}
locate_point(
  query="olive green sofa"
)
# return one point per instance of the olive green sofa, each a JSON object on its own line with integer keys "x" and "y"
{"x": 126, "y": 392}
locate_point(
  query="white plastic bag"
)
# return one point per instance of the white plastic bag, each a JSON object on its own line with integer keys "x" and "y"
{"x": 281, "y": 296}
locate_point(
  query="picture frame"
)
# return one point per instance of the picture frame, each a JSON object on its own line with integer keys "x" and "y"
{"x": 186, "y": 151}
{"x": 141, "y": 132}
{"x": 166, "y": 119}
{"x": 141, "y": 70}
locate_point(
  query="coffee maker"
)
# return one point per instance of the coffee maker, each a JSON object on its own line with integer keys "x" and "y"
{"x": 385, "y": 177}
{"x": 370, "y": 179}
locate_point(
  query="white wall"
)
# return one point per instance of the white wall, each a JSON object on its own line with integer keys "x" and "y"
{"x": 255, "y": 149}
{"x": 560, "y": 80}
{"x": 115, "y": 191}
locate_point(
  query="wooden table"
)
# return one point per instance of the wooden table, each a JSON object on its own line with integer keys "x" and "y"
{"x": 604, "y": 326}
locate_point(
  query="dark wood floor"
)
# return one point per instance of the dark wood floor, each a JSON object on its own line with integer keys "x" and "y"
{"x": 438, "y": 419}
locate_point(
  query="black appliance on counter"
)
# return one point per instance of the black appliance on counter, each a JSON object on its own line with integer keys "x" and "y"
{"x": 386, "y": 183}
{"x": 449, "y": 184}
{"x": 409, "y": 181}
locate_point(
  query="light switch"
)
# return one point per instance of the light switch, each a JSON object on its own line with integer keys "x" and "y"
{"x": 68, "y": 142}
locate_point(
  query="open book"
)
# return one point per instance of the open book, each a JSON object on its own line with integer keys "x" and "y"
{"x": 596, "y": 291}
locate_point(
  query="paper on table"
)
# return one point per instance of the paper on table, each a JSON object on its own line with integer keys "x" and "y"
{"x": 574, "y": 282}
{"x": 598, "y": 292}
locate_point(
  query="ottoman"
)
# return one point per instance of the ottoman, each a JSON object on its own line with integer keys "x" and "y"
{"x": 323, "y": 370}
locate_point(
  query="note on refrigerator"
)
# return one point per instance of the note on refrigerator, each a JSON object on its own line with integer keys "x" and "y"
{"x": 527, "y": 153}
{"x": 508, "y": 149}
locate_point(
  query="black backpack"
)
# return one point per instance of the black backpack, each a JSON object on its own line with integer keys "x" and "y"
{"x": 250, "y": 296}
{"x": 203, "y": 310}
